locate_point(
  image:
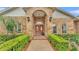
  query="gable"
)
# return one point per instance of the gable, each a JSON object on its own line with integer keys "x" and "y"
{"x": 57, "y": 14}
{"x": 21, "y": 12}
{"x": 16, "y": 12}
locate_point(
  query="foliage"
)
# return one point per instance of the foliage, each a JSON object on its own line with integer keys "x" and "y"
{"x": 61, "y": 42}
{"x": 15, "y": 44}
{"x": 10, "y": 24}
{"x": 57, "y": 38}
{"x": 2, "y": 19}
{"x": 73, "y": 37}
{"x": 58, "y": 42}
{"x": 61, "y": 46}
{"x": 4, "y": 38}
{"x": 73, "y": 48}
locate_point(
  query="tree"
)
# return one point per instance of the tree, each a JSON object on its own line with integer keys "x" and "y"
{"x": 10, "y": 24}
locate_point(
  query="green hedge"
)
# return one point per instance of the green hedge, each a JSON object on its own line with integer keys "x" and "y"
{"x": 58, "y": 42}
{"x": 73, "y": 37}
{"x": 4, "y": 38}
{"x": 57, "y": 38}
{"x": 15, "y": 44}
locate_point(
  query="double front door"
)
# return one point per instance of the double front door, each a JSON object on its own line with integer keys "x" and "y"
{"x": 39, "y": 29}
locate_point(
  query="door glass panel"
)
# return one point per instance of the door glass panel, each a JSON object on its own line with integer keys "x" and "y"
{"x": 41, "y": 28}
{"x": 37, "y": 28}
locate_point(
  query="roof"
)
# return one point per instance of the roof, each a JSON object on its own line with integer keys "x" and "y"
{"x": 62, "y": 11}
{"x": 66, "y": 13}
{"x": 7, "y": 10}
{"x": 77, "y": 18}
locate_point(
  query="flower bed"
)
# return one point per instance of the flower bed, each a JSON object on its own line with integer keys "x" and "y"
{"x": 59, "y": 43}
{"x": 15, "y": 44}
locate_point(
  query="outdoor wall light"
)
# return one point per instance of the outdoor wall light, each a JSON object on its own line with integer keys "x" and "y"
{"x": 28, "y": 18}
{"x": 50, "y": 18}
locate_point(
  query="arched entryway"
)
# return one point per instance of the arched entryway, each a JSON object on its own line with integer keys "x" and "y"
{"x": 39, "y": 22}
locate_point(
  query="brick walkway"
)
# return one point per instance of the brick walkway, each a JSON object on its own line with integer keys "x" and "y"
{"x": 39, "y": 45}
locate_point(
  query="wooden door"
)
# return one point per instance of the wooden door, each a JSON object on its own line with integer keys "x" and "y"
{"x": 39, "y": 29}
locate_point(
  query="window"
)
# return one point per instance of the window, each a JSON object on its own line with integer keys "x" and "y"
{"x": 54, "y": 28}
{"x": 18, "y": 28}
{"x": 64, "y": 28}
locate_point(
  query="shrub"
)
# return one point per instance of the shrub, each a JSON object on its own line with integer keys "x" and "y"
{"x": 58, "y": 42}
{"x": 4, "y": 38}
{"x": 15, "y": 44}
{"x": 73, "y": 37}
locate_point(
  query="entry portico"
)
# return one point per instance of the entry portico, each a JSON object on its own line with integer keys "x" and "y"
{"x": 39, "y": 20}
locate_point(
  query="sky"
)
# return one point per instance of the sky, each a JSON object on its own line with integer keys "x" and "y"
{"x": 72, "y": 10}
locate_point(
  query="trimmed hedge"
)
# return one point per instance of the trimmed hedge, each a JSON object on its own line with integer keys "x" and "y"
{"x": 4, "y": 38}
{"x": 58, "y": 42}
{"x": 15, "y": 44}
{"x": 73, "y": 37}
{"x": 57, "y": 38}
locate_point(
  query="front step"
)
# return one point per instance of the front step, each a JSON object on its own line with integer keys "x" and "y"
{"x": 39, "y": 38}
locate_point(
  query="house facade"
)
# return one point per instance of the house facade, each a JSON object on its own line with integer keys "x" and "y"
{"x": 41, "y": 21}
